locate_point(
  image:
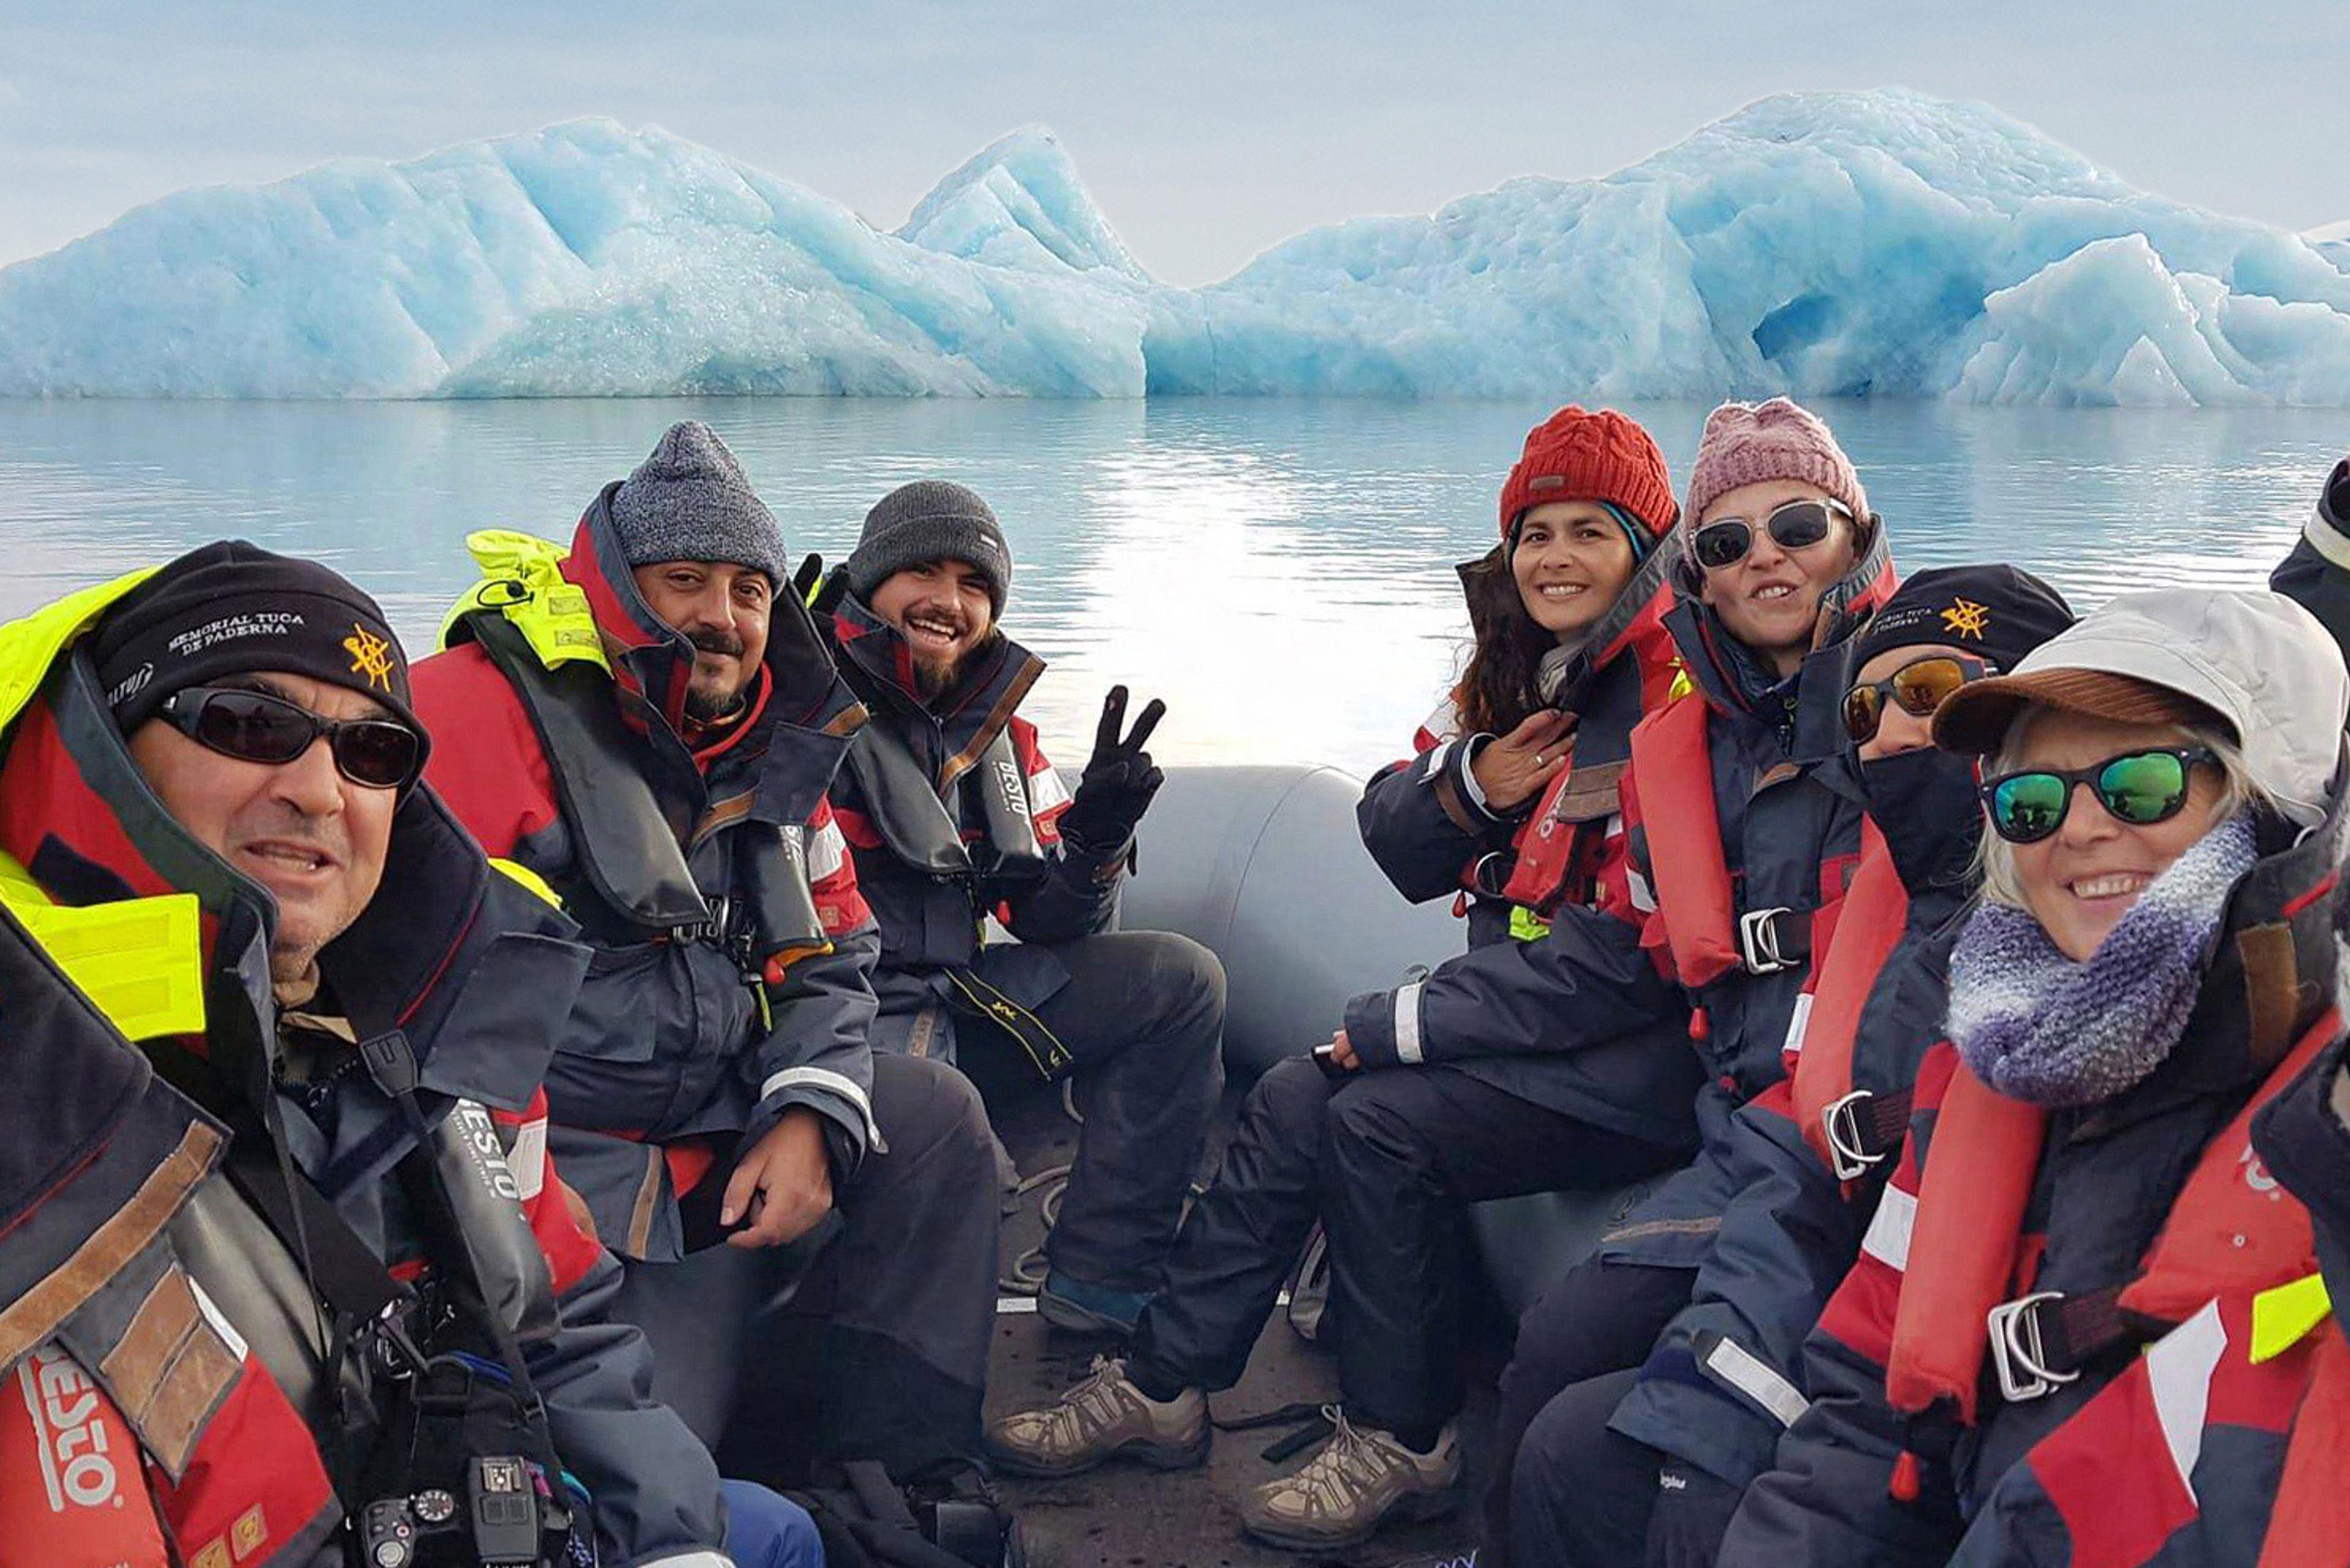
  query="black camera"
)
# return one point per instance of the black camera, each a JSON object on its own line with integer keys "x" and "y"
{"x": 509, "y": 1517}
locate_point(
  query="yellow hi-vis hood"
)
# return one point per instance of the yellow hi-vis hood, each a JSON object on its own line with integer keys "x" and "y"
{"x": 522, "y": 579}
{"x": 138, "y": 960}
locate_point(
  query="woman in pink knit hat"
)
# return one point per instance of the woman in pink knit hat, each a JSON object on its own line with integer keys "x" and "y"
{"x": 1777, "y": 520}
{"x": 1744, "y": 823}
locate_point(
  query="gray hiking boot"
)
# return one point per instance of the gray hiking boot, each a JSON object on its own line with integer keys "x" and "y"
{"x": 1362, "y": 1478}
{"x": 1105, "y": 1416}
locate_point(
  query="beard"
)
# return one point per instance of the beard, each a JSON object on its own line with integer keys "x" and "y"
{"x": 934, "y": 678}
{"x": 708, "y": 706}
{"x": 709, "y": 699}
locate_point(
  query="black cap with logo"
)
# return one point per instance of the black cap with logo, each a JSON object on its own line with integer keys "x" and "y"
{"x": 233, "y": 609}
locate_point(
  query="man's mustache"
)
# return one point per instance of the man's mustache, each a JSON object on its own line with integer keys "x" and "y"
{"x": 723, "y": 642}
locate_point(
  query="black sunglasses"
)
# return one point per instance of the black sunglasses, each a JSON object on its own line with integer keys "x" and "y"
{"x": 1797, "y": 525}
{"x": 256, "y": 727}
{"x": 2140, "y": 788}
{"x": 1919, "y": 686}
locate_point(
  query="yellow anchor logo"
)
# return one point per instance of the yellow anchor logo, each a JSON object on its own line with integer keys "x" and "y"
{"x": 371, "y": 656}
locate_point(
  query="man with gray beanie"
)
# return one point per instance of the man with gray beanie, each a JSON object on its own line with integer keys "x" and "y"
{"x": 648, "y": 723}
{"x": 953, "y": 814}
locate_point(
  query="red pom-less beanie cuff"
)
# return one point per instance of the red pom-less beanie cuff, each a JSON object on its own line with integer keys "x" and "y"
{"x": 1578, "y": 455}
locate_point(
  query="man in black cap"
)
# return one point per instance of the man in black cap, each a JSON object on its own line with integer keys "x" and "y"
{"x": 213, "y": 842}
{"x": 648, "y": 721}
{"x": 953, "y": 814}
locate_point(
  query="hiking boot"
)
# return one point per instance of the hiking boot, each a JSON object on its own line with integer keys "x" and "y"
{"x": 1081, "y": 1307}
{"x": 1362, "y": 1478}
{"x": 1102, "y": 1417}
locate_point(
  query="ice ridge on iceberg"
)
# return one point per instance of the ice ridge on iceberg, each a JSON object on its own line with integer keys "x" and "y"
{"x": 1018, "y": 202}
{"x": 1879, "y": 243}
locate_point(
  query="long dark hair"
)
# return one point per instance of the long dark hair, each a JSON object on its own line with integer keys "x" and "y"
{"x": 1500, "y": 687}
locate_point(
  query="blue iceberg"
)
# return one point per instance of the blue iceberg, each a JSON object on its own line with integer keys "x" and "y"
{"x": 1872, "y": 244}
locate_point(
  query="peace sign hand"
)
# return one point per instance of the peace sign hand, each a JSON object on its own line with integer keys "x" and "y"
{"x": 1119, "y": 778}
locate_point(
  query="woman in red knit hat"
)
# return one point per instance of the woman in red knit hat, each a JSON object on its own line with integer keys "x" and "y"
{"x": 1514, "y": 810}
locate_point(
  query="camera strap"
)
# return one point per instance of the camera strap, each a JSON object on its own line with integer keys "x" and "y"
{"x": 343, "y": 1270}
{"x": 393, "y": 1063}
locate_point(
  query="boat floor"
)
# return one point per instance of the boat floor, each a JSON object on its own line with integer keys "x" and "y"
{"x": 1125, "y": 1516}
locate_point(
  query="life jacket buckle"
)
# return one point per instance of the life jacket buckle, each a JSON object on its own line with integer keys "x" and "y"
{"x": 1849, "y": 1155}
{"x": 1492, "y": 873}
{"x": 1758, "y": 942}
{"x": 712, "y": 930}
{"x": 2019, "y": 1348}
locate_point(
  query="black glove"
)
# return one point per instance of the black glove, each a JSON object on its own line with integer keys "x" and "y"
{"x": 1692, "y": 1516}
{"x": 1118, "y": 781}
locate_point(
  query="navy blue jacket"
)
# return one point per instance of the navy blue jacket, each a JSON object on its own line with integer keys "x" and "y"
{"x": 1792, "y": 1230}
{"x": 929, "y": 924}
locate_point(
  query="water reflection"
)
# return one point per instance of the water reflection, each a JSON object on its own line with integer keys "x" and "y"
{"x": 1280, "y": 570}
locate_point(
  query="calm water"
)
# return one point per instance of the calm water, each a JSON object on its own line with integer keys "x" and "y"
{"x": 1280, "y": 571}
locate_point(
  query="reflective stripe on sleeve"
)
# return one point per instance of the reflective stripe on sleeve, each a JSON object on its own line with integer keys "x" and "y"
{"x": 1742, "y": 1369}
{"x": 1889, "y": 1234}
{"x": 1406, "y": 1023}
{"x": 840, "y": 1083}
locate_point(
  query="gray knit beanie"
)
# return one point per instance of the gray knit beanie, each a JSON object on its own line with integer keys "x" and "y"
{"x": 929, "y": 520}
{"x": 689, "y": 500}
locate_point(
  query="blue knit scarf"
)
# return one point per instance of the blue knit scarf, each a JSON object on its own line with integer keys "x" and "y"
{"x": 2039, "y": 1027}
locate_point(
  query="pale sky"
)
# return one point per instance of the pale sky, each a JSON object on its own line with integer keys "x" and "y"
{"x": 1207, "y": 130}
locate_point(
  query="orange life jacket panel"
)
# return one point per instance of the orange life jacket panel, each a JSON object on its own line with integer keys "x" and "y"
{"x": 2226, "y": 1232}
{"x": 1868, "y": 927}
{"x": 1694, "y": 899}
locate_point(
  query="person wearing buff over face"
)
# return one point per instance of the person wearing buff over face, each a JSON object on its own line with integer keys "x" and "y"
{"x": 277, "y": 1227}
{"x": 2061, "y": 1340}
{"x": 1742, "y": 824}
{"x": 1661, "y": 1455}
{"x": 648, "y": 721}
{"x": 1389, "y": 1159}
{"x": 953, "y": 815}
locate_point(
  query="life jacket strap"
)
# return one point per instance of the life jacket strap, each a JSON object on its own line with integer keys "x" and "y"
{"x": 1863, "y": 1129}
{"x": 1770, "y": 941}
{"x": 2044, "y": 1340}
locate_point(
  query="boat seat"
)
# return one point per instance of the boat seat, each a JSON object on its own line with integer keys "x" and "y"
{"x": 1265, "y": 867}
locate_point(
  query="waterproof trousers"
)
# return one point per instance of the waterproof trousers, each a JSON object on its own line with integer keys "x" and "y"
{"x": 1143, "y": 1014}
{"x": 903, "y": 1283}
{"x": 1565, "y": 1489}
{"x": 1389, "y": 1161}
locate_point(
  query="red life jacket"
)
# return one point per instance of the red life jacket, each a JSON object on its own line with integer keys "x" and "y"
{"x": 1557, "y": 845}
{"x": 1868, "y": 923}
{"x": 2224, "y": 1233}
{"x": 1672, "y": 769}
{"x": 76, "y": 1483}
{"x": 1694, "y": 900}
{"x": 1560, "y": 845}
